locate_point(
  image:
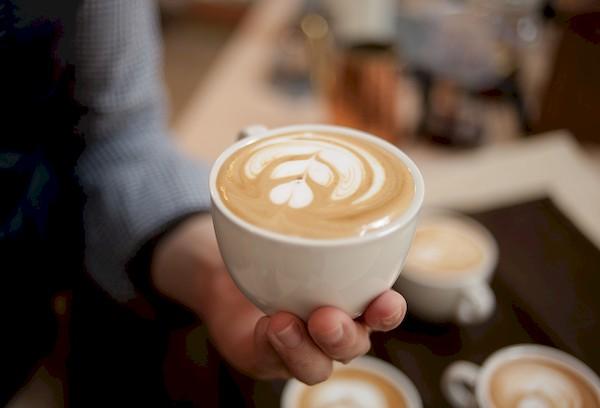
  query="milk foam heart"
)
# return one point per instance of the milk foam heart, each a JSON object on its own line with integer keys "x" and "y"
{"x": 316, "y": 185}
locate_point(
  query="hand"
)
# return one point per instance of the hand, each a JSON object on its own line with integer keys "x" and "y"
{"x": 188, "y": 268}
{"x": 289, "y": 347}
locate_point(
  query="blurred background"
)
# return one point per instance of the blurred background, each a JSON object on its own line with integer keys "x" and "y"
{"x": 457, "y": 73}
{"x": 498, "y": 102}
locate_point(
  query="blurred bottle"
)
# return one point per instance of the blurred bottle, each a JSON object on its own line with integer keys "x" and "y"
{"x": 467, "y": 58}
{"x": 452, "y": 116}
{"x": 319, "y": 49}
{"x": 360, "y": 87}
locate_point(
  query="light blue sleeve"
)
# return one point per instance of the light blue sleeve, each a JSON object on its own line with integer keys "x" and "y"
{"x": 135, "y": 180}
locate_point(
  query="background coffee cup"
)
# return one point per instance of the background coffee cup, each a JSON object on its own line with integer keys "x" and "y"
{"x": 279, "y": 272}
{"x": 466, "y": 299}
{"x": 467, "y": 385}
{"x": 294, "y": 388}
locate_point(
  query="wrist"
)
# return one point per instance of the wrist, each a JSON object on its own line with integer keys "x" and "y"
{"x": 184, "y": 259}
{"x": 153, "y": 302}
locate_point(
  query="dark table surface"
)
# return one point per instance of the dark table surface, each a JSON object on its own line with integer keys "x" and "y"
{"x": 547, "y": 286}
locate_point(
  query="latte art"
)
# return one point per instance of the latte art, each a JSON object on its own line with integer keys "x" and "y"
{"x": 537, "y": 382}
{"x": 316, "y": 185}
{"x": 353, "y": 388}
{"x": 446, "y": 247}
{"x": 326, "y": 162}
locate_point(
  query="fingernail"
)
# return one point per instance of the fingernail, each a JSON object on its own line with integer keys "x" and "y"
{"x": 392, "y": 320}
{"x": 290, "y": 336}
{"x": 335, "y": 335}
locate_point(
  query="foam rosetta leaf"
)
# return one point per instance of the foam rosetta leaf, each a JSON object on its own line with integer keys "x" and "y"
{"x": 297, "y": 193}
{"x": 317, "y": 171}
{"x": 320, "y": 173}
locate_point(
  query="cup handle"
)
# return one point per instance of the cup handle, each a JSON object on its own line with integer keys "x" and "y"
{"x": 251, "y": 131}
{"x": 458, "y": 384}
{"x": 476, "y": 303}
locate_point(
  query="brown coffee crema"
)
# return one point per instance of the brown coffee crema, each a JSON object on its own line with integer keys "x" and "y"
{"x": 351, "y": 387}
{"x": 315, "y": 185}
{"x": 540, "y": 382}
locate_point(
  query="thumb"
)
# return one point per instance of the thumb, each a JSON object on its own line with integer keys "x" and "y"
{"x": 268, "y": 364}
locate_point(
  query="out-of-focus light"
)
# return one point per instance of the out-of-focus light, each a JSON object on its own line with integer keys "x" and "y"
{"x": 314, "y": 26}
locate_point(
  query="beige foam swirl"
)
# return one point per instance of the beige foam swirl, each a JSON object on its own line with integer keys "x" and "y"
{"x": 354, "y": 388}
{"x": 536, "y": 382}
{"x": 315, "y": 185}
{"x": 445, "y": 247}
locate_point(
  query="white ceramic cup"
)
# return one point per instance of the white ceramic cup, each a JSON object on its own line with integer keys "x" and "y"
{"x": 294, "y": 388}
{"x": 466, "y": 385}
{"x": 468, "y": 299}
{"x": 285, "y": 273}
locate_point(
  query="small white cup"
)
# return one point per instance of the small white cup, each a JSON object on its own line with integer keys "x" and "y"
{"x": 285, "y": 273}
{"x": 294, "y": 388}
{"x": 466, "y": 385}
{"x": 465, "y": 300}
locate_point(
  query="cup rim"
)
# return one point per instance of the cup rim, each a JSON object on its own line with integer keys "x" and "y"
{"x": 370, "y": 364}
{"x": 484, "y": 271}
{"x": 410, "y": 213}
{"x": 503, "y": 355}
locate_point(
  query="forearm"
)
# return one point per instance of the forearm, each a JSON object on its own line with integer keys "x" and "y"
{"x": 187, "y": 268}
{"x": 136, "y": 183}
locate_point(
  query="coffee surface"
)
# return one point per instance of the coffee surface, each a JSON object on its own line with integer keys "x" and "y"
{"x": 540, "y": 382}
{"x": 352, "y": 388}
{"x": 315, "y": 185}
{"x": 446, "y": 247}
